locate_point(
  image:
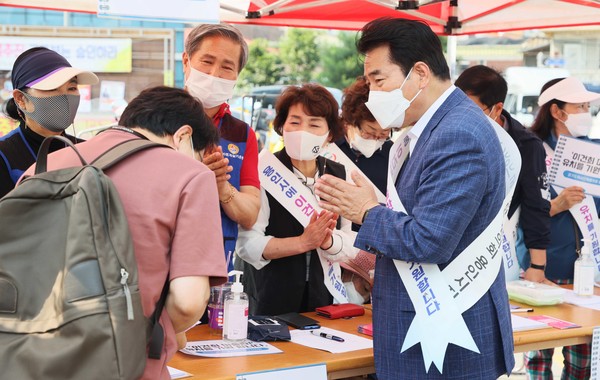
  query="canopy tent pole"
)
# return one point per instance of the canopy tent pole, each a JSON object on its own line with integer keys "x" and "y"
{"x": 451, "y": 54}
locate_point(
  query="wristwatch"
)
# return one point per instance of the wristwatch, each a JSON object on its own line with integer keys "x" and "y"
{"x": 535, "y": 266}
{"x": 365, "y": 215}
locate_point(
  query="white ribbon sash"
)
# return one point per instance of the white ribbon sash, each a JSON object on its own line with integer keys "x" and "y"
{"x": 287, "y": 189}
{"x": 509, "y": 241}
{"x": 334, "y": 153}
{"x": 585, "y": 214}
{"x": 440, "y": 297}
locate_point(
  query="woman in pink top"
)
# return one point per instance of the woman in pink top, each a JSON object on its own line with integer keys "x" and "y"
{"x": 172, "y": 206}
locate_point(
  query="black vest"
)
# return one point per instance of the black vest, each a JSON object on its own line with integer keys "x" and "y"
{"x": 281, "y": 286}
{"x": 18, "y": 151}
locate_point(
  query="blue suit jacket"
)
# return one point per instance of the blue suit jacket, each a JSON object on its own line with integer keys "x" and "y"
{"x": 452, "y": 186}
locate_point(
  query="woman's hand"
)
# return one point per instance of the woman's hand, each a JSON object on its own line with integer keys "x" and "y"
{"x": 567, "y": 198}
{"x": 218, "y": 164}
{"x": 319, "y": 231}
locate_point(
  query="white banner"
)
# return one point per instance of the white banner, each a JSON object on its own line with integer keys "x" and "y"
{"x": 193, "y": 11}
{"x": 576, "y": 162}
{"x": 440, "y": 297}
{"x": 287, "y": 189}
{"x": 585, "y": 213}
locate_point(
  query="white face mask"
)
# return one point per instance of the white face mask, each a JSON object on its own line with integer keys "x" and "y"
{"x": 389, "y": 107}
{"x": 353, "y": 295}
{"x": 579, "y": 124}
{"x": 302, "y": 145}
{"x": 365, "y": 146}
{"x": 211, "y": 91}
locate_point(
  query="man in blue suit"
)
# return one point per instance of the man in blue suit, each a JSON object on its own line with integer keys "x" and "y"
{"x": 452, "y": 187}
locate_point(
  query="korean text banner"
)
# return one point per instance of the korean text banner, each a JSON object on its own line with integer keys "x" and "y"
{"x": 100, "y": 55}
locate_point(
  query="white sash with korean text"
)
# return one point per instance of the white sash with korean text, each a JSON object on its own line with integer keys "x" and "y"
{"x": 334, "y": 153}
{"x": 440, "y": 297}
{"x": 509, "y": 246}
{"x": 289, "y": 191}
{"x": 585, "y": 214}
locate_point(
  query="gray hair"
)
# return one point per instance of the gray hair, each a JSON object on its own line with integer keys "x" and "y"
{"x": 200, "y": 32}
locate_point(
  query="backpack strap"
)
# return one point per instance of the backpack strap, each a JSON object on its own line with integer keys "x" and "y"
{"x": 41, "y": 164}
{"x": 123, "y": 150}
{"x": 107, "y": 159}
{"x": 157, "y": 335}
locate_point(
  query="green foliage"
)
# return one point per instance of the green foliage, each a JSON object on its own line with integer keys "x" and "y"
{"x": 263, "y": 68}
{"x": 304, "y": 55}
{"x": 444, "y": 41}
{"x": 340, "y": 61}
{"x": 299, "y": 54}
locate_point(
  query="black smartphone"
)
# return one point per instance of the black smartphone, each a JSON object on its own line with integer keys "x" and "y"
{"x": 298, "y": 321}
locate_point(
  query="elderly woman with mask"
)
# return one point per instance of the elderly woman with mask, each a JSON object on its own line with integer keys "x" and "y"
{"x": 45, "y": 101}
{"x": 291, "y": 253}
{"x": 564, "y": 110}
{"x": 366, "y": 144}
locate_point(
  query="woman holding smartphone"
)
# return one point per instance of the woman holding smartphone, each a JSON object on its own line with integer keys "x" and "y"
{"x": 291, "y": 254}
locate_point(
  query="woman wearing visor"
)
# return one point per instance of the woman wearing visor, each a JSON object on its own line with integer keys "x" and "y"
{"x": 45, "y": 101}
{"x": 291, "y": 255}
{"x": 564, "y": 110}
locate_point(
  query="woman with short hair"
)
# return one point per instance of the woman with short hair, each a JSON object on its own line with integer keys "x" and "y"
{"x": 289, "y": 267}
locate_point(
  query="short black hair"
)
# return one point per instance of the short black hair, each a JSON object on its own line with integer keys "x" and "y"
{"x": 163, "y": 110}
{"x": 409, "y": 41}
{"x": 484, "y": 83}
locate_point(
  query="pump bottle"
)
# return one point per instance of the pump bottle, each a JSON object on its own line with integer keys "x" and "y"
{"x": 235, "y": 321}
{"x": 583, "y": 281}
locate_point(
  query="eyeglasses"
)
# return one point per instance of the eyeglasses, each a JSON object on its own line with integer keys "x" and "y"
{"x": 373, "y": 136}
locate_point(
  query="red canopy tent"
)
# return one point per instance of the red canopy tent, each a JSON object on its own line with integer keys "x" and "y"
{"x": 452, "y": 17}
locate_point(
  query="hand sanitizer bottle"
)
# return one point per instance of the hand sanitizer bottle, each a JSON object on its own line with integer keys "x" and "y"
{"x": 583, "y": 281}
{"x": 235, "y": 321}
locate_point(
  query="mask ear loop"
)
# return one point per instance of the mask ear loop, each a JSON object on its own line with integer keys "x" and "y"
{"x": 564, "y": 121}
{"x": 19, "y": 110}
{"x": 193, "y": 151}
{"x": 405, "y": 80}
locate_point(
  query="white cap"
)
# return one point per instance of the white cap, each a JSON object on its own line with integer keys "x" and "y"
{"x": 61, "y": 76}
{"x": 569, "y": 90}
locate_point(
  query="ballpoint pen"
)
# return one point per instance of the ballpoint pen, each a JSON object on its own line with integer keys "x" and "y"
{"x": 521, "y": 310}
{"x": 327, "y": 336}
